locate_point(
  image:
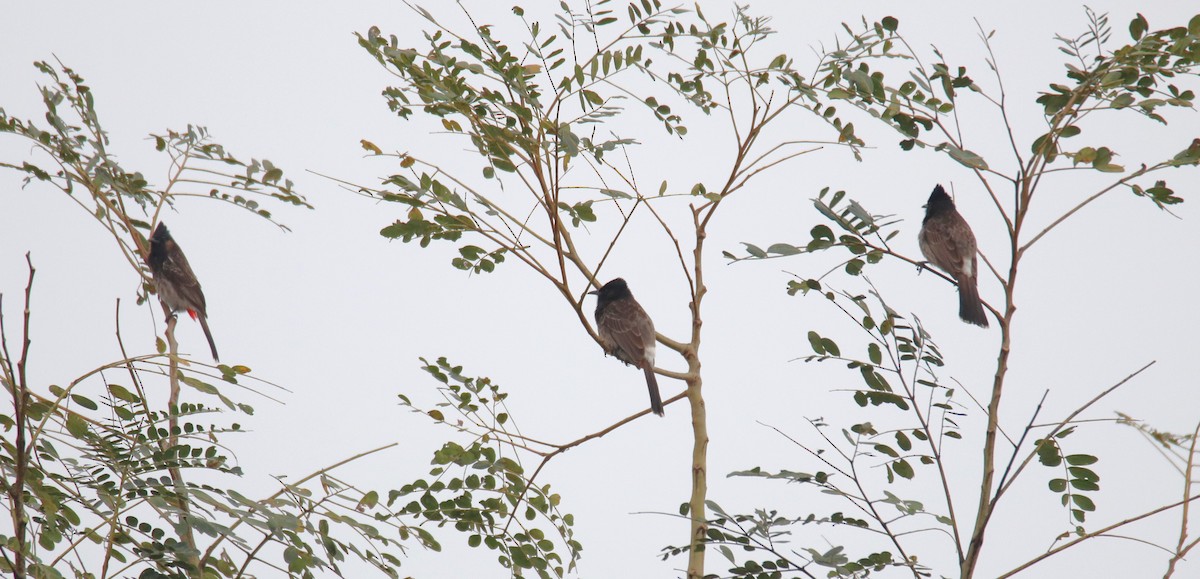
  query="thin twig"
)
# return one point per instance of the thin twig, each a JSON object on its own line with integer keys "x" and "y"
{"x": 1070, "y": 417}
{"x": 1024, "y": 433}
{"x": 182, "y": 500}
{"x": 1144, "y": 170}
{"x": 1092, "y": 535}
{"x": 1182, "y": 547}
{"x": 245, "y": 516}
{"x": 20, "y": 394}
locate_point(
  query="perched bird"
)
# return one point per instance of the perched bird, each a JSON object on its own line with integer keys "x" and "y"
{"x": 947, "y": 242}
{"x": 177, "y": 287}
{"x": 627, "y": 333}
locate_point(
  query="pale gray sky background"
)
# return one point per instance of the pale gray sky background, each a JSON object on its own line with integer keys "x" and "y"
{"x": 338, "y": 315}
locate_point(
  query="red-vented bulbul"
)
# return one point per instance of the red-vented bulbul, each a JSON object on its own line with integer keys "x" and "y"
{"x": 176, "y": 285}
{"x": 627, "y": 333}
{"x": 947, "y": 242}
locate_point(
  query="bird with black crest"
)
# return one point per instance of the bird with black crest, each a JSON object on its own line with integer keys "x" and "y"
{"x": 627, "y": 332}
{"x": 948, "y": 243}
{"x": 176, "y": 285}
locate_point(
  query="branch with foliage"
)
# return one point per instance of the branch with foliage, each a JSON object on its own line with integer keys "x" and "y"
{"x": 557, "y": 185}
{"x": 1143, "y": 79}
{"x": 93, "y": 478}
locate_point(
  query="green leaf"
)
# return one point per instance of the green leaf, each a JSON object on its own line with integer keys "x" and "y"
{"x": 890, "y": 23}
{"x": 1058, "y": 485}
{"x": 471, "y": 252}
{"x": 84, "y": 402}
{"x": 967, "y": 158}
{"x": 200, "y": 385}
{"x": 77, "y": 426}
{"x": 1047, "y": 452}
{"x": 1083, "y": 473}
{"x": 1083, "y": 502}
{"x": 875, "y": 354}
{"x": 1123, "y": 100}
{"x": 429, "y": 502}
{"x": 1103, "y": 161}
{"x": 616, "y": 194}
{"x": 831, "y": 347}
{"x": 1044, "y": 145}
{"x": 120, "y": 393}
{"x": 1138, "y": 27}
{"x": 368, "y": 501}
{"x": 783, "y": 249}
{"x": 814, "y": 339}
{"x": 903, "y": 469}
{"x": 1081, "y": 459}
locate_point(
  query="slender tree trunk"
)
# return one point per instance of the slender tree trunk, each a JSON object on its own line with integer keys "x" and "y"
{"x": 696, "y": 506}
{"x": 699, "y": 471}
{"x": 185, "y": 524}
{"x": 20, "y": 393}
{"x": 986, "y": 494}
{"x": 984, "y": 511}
{"x": 17, "y": 489}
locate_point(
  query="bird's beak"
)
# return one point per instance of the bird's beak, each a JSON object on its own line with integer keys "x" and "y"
{"x": 594, "y": 293}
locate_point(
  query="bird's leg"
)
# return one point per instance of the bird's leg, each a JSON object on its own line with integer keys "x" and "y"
{"x": 168, "y": 312}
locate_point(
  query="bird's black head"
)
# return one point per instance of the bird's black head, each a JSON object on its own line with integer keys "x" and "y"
{"x": 161, "y": 235}
{"x": 613, "y": 290}
{"x": 158, "y": 246}
{"x": 939, "y": 202}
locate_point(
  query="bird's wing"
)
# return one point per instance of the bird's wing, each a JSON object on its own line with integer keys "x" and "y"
{"x": 949, "y": 243}
{"x": 627, "y": 327}
{"x": 179, "y": 273}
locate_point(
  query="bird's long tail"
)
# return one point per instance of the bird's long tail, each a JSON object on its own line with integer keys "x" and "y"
{"x": 208, "y": 334}
{"x": 655, "y": 397}
{"x": 970, "y": 308}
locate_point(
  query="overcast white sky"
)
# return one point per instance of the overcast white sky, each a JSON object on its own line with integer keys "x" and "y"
{"x": 338, "y": 315}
